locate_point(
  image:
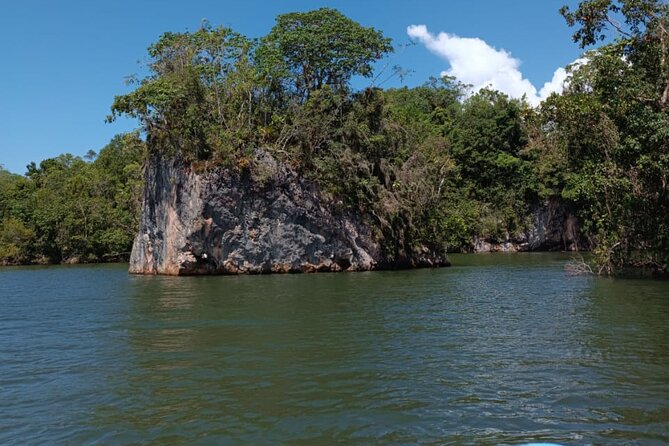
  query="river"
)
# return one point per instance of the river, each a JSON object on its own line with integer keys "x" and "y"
{"x": 498, "y": 349}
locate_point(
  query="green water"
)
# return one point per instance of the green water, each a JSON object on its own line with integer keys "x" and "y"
{"x": 498, "y": 349}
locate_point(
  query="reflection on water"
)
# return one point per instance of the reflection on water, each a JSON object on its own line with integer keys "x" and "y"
{"x": 498, "y": 349}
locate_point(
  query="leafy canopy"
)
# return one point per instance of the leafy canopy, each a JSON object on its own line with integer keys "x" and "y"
{"x": 321, "y": 47}
{"x": 612, "y": 124}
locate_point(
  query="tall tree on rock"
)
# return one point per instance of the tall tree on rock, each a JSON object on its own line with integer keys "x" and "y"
{"x": 198, "y": 94}
{"x": 321, "y": 47}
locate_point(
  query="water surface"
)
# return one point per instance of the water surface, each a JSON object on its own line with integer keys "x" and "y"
{"x": 498, "y": 349}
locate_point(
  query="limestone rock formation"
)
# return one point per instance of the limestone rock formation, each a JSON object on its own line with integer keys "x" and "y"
{"x": 553, "y": 227}
{"x": 232, "y": 221}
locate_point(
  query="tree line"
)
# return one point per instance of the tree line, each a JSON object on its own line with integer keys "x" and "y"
{"x": 69, "y": 209}
{"x": 427, "y": 166}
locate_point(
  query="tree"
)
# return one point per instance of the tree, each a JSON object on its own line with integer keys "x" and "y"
{"x": 68, "y": 208}
{"x": 487, "y": 139}
{"x": 613, "y": 123}
{"x": 197, "y": 95}
{"x": 320, "y": 47}
{"x": 15, "y": 241}
{"x": 118, "y": 181}
{"x": 643, "y": 33}
{"x": 6, "y": 182}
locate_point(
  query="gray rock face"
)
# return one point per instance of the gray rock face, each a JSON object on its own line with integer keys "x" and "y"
{"x": 231, "y": 222}
{"x": 553, "y": 228}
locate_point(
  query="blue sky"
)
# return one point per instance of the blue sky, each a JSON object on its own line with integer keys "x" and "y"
{"x": 63, "y": 62}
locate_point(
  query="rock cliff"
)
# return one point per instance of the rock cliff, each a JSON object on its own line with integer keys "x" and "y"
{"x": 260, "y": 220}
{"x": 552, "y": 227}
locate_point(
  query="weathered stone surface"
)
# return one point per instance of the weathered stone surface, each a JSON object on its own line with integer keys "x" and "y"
{"x": 229, "y": 221}
{"x": 553, "y": 227}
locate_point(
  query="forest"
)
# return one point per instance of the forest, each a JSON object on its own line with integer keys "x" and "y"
{"x": 434, "y": 165}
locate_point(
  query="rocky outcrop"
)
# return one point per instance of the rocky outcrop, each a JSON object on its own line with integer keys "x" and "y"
{"x": 553, "y": 227}
{"x": 260, "y": 220}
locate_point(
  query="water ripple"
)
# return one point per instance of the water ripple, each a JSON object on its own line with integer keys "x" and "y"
{"x": 496, "y": 350}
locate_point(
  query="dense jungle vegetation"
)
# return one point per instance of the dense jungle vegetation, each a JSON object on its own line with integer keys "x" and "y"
{"x": 431, "y": 165}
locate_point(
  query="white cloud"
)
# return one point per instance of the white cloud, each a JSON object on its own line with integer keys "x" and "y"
{"x": 473, "y": 61}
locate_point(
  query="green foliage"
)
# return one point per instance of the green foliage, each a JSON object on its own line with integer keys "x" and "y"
{"x": 67, "y": 208}
{"x": 309, "y": 50}
{"x": 199, "y": 100}
{"x": 596, "y": 18}
{"x": 613, "y": 128}
{"x": 15, "y": 241}
{"x": 487, "y": 141}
